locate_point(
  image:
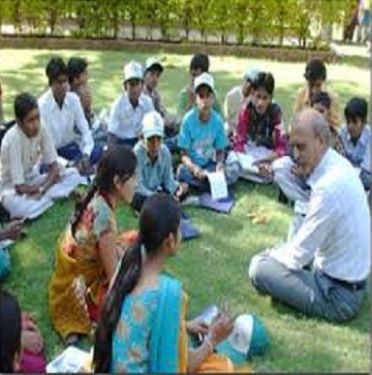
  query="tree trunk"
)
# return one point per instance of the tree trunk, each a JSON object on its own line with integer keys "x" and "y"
{"x": 116, "y": 25}
{"x": 223, "y": 37}
{"x": 133, "y": 30}
{"x": 240, "y": 36}
{"x": 17, "y": 17}
{"x": 52, "y": 27}
{"x": 202, "y": 32}
{"x": 52, "y": 21}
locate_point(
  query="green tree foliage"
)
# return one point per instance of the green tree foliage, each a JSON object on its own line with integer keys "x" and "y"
{"x": 222, "y": 18}
{"x": 251, "y": 21}
{"x": 183, "y": 11}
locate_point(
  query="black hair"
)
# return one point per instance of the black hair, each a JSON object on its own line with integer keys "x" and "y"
{"x": 10, "y": 331}
{"x": 315, "y": 69}
{"x": 355, "y": 108}
{"x": 155, "y": 68}
{"x": 160, "y": 216}
{"x": 75, "y": 67}
{"x": 23, "y": 104}
{"x": 117, "y": 161}
{"x": 265, "y": 81}
{"x": 206, "y": 86}
{"x": 55, "y": 68}
{"x": 200, "y": 61}
{"x": 322, "y": 98}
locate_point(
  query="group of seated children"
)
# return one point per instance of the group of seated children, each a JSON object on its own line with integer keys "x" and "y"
{"x": 61, "y": 122}
{"x": 141, "y": 135}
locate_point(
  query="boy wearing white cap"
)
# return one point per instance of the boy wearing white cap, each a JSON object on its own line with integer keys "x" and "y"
{"x": 202, "y": 139}
{"x": 154, "y": 70}
{"x": 125, "y": 123}
{"x": 154, "y": 160}
{"x": 236, "y": 98}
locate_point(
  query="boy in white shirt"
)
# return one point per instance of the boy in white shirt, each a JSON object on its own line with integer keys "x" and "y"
{"x": 24, "y": 191}
{"x": 61, "y": 111}
{"x": 128, "y": 110}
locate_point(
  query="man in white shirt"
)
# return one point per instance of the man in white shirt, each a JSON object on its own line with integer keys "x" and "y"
{"x": 236, "y": 98}
{"x": 322, "y": 270}
{"x": 61, "y": 111}
{"x": 24, "y": 191}
{"x": 128, "y": 110}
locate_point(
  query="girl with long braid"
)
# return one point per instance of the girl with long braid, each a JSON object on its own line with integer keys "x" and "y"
{"x": 143, "y": 325}
{"x": 89, "y": 251}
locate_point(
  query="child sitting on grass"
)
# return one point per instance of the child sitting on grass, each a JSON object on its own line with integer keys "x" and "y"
{"x": 155, "y": 171}
{"x": 356, "y": 137}
{"x": 202, "y": 139}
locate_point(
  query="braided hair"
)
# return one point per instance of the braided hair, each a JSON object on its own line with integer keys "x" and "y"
{"x": 117, "y": 161}
{"x": 160, "y": 216}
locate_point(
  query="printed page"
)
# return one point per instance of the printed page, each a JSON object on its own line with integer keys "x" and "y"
{"x": 218, "y": 185}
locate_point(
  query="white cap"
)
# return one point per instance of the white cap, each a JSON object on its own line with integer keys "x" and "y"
{"x": 153, "y": 61}
{"x": 133, "y": 70}
{"x": 152, "y": 124}
{"x": 251, "y": 74}
{"x": 248, "y": 338}
{"x": 240, "y": 338}
{"x": 204, "y": 79}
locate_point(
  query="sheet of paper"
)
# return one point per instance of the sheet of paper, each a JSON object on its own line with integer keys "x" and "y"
{"x": 259, "y": 152}
{"x": 62, "y": 161}
{"x": 218, "y": 185}
{"x": 246, "y": 161}
{"x": 209, "y": 314}
{"x": 71, "y": 360}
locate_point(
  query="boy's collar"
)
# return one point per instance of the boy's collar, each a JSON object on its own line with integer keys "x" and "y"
{"x": 363, "y": 137}
{"x": 148, "y": 159}
{"x": 209, "y": 115}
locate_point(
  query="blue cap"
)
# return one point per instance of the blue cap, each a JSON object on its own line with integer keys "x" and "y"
{"x": 249, "y": 338}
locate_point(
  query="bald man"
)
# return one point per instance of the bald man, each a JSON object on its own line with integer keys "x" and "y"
{"x": 322, "y": 270}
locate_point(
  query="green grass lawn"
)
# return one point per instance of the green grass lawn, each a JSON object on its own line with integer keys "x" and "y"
{"x": 213, "y": 267}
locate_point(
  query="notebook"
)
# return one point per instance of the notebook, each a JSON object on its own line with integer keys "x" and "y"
{"x": 224, "y": 205}
{"x": 188, "y": 229}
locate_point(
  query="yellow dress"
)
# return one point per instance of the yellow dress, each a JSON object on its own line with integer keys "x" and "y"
{"x": 78, "y": 284}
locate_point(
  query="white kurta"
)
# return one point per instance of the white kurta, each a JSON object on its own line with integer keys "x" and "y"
{"x": 21, "y": 158}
